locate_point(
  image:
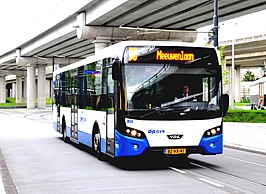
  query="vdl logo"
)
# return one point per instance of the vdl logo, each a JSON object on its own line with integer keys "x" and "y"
{"x": 175, "y": 136}
{"x": 152, "y": 131}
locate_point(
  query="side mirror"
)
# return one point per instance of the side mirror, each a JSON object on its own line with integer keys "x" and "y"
{"x": 116, "y": 69}
{"x": 225, "y": 103}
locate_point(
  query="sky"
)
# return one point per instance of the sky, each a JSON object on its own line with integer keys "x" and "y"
{"x": 18, "y": 16}
{"x": 21, "y": 20}
{"x": 241, "y": 27}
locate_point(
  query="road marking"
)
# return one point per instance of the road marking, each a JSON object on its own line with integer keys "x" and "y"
{"x": 177, "y": 170}
{"x": 2, "y": 188}
{"x": 210, "y": 182}
{"x": 200, "y": 165}
{"x": 245, "y": 161}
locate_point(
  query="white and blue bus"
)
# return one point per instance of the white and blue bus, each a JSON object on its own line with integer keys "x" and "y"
{"x": 125, "y": 100}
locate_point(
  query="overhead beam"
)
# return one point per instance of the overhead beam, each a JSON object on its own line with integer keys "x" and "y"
{"x": 115, "y": 33}
{"x": 7, "y": 72}
{"x": 40, "y": 60}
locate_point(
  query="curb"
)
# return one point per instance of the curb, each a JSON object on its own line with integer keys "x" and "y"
{"x": 245, "y": 148}
{"x": 12, "y": 107}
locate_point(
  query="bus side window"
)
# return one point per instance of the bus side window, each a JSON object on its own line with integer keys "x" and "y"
{"x": 101, "y": 102}
{"x": 110, "y": 102}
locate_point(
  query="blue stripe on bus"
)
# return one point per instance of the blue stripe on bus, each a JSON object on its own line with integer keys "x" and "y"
{"x": 212, "y": 145}
{"x": 124, "y": 145}
{"x": 83, "y": 137}
{"x": 55, "y": 126}
{"x": 86, "y": 139}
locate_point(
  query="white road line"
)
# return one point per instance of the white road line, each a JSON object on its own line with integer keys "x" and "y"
{"x": 177, "y": 170}
{"x": 210, "y": 182}
{"x": 257, "y": 164}
{"x": 2, "y": 188}
{"x": 200, "y": 165}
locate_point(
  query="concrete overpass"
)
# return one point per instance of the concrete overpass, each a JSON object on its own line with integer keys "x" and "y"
{"x": 248, "y": 52}
{"x": 96, "y": 25}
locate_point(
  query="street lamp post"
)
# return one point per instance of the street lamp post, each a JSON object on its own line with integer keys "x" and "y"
{"x": 215, "y": 24}
{"x": 233, "y": 75}
{"x": 233, "y": 72}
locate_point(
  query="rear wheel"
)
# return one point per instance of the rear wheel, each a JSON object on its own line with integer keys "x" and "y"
{"x": 65, "y": 138}
{"x": 97, "y": 144}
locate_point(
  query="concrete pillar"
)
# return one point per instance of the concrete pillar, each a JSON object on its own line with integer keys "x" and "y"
{"x": 25, "y": 88}
{"x": 237, "y": 85}
{"x": 31, "y": 86}
{"x": 13, "y": 90}
{"x": 101, "y": 42}
{"x": 41, "y": 87}
{"x": 2, "y": 89}
{"x": 230, "y": 85}
{"x": 18, "y": 89}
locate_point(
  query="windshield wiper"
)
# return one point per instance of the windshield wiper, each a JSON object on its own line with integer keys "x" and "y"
{"x": 155, "y": 110}
{"x": 160, "y": 110}
{"x": 167, "y": 104}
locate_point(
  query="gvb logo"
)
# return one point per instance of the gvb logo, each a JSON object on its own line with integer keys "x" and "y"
{"x": 129, "y": 121}
{"x": 152, "y": 131}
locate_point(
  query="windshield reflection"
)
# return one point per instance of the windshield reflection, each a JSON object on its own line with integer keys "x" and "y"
{"x": 155, "y": 91}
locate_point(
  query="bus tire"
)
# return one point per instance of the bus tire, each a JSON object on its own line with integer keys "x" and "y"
{"x": 65, "y": 138}
{"x": 96, "y": 143}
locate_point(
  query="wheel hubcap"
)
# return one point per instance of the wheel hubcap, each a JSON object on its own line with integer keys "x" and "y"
{"x": 96, "y": 142}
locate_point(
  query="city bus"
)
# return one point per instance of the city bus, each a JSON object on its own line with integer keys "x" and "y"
{"x": 124, "y": 100}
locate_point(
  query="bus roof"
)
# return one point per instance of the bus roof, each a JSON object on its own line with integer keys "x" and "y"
{"x": 117, "y": 50}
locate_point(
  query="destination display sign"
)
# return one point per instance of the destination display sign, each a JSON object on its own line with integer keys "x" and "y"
{"x": 174, "y": 56}
{"x": 163, "y": 54}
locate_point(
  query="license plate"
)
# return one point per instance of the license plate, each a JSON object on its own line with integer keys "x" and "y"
{"x": 175, "y": 151}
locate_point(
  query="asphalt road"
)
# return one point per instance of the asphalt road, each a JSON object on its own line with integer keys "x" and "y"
{"x": 34, "y": 159}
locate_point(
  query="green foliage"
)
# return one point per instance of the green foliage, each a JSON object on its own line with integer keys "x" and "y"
{"x": 91, "y": 77}
{"x": 12, "y": 104}
{"x": 10, "y": 100}
{"x": 247, "y": 101}
{"x": 246, "y": 116}
{"x": 240, "y": 104}
{"x": 249, "y": 76}
{"x": 49, "y": 100}
{"x": 225, "y": 73}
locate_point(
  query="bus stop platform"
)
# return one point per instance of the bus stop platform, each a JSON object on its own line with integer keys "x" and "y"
{"x": 245, "y": 136}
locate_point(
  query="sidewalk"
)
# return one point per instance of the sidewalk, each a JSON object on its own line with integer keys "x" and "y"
{"x": 245, "y": 136}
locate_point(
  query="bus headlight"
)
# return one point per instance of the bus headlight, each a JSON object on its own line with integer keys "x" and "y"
{"x": 213, "y": 131}
{"x": 134, "y": 133}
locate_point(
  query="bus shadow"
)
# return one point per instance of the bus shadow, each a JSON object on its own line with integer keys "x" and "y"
{"x": 191, "y": 164}
{"x": 148, "y": 163}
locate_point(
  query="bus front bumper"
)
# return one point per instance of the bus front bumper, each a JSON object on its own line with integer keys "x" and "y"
{"x": 127, "y": 146}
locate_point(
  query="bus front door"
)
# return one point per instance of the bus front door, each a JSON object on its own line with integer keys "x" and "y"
{"x": 110, "y": 136}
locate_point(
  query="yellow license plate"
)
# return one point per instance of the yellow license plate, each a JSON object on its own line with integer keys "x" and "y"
{"x": 175, "y": 151}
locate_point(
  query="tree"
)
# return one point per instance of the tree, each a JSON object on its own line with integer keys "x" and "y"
{"x": 225, "y": 73}
{"x": 249, "y": 76}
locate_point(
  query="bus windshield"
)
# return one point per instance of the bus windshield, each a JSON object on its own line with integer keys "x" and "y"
{"x": 156, "y": 91}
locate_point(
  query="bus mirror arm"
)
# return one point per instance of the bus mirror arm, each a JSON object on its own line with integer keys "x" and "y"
{"x": 116, "y": 69}
{"x": 225, "y": 103}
